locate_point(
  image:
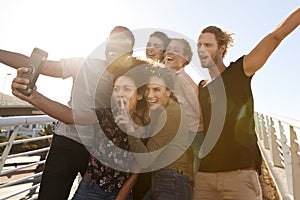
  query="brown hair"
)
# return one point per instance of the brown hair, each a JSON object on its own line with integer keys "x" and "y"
{"x": 222, "y": 37}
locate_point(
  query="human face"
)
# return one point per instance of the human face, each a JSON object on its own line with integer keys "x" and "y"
{"x": 157, "y": 94}
{"x": 208, "y": 51}
{"x": 174, "y": 56}
{"x": 125, "y": 94}
{"x": 154, "y": 49}
{"x": 118, "y": 47}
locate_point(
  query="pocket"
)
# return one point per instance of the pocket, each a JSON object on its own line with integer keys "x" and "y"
{"x": 255, "y": 184}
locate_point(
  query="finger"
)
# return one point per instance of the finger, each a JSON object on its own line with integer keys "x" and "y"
{"x": 21, "y": 80}
{"x": 17, "y": 93}
{"x": 22, "y": 70}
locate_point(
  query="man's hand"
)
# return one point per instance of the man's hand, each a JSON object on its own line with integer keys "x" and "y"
{"x": 21, "y": 83}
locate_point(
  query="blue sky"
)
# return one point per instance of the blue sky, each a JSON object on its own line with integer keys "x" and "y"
{"x": 68, "y": 28}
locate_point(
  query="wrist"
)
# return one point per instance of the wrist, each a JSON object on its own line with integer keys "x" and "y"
{"x": 130, "y": 129}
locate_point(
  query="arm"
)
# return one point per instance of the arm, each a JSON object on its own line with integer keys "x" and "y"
{"x": 50, "y": 107}
{"x": 163, "y": 134}
{"x": 126, "y": 188}
{"x": 166, "y": 140}
{"x": 259, "y": 55}
{"x": 16, "y": 60}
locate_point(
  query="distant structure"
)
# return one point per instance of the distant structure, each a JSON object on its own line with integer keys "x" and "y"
{"x": 12, "y": 106}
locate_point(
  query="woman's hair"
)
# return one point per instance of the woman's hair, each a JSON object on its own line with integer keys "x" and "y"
{"x": 222, "y": 37}
{"x": 163, "y": 37}
{"x": 141, "y": 71}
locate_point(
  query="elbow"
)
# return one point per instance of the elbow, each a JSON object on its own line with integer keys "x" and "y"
{"x": 69, "y": 121}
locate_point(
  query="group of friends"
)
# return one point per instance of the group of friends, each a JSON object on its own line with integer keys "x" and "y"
{"x": 143, "y": 129}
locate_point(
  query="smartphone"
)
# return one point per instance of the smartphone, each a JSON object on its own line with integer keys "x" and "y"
{"x": 35, "y": 65}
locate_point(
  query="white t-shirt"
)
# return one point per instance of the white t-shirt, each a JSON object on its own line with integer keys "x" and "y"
{"x": 92, "y": 87}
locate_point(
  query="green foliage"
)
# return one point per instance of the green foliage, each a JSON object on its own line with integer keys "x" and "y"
{"x": 27, "y": 146}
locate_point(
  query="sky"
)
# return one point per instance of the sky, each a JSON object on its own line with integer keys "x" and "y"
{"x": 71, "y": 28}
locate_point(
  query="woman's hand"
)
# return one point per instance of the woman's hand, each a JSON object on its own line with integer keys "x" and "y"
{"x": 123, "y": 118}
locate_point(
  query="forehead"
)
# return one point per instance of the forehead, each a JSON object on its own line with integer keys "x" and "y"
{"x": 207, "y": 38}
{"x": 124, "y": 81}
{"x": 120, "y": 40}
{"x": 156, "y": 40}
{"x": 176, "y": 44}
{"x": 156, "y": 81}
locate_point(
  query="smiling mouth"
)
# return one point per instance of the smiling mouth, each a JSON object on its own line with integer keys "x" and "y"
{"x": 151, "y": 55}
{"x": 169, "y": 58}
{"x": 151, "y": 102}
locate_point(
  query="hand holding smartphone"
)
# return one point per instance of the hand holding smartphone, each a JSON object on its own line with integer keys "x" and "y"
{"x": 35, "y": 65}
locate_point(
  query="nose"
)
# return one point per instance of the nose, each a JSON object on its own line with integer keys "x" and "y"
{"x": 149, "y": 94}
{"x": 120, "y": 94}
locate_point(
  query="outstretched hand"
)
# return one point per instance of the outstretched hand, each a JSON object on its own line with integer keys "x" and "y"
{"x": 21, "y": 83}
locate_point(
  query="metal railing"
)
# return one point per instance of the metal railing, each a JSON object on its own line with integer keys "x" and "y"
{"x": 279, "y": 144}
{"x": 278, "y": 141}
{"x": 5, "y": 170}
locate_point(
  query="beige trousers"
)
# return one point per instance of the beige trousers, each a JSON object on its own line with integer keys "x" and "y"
{"x": 232, "y": 185}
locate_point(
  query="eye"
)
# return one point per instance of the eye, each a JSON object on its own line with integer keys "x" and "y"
{"x": 116, "y": 89}
{"x": 157, "y": 89}
{"x": 176, "y": 50}
{"x": 157, "y": 46}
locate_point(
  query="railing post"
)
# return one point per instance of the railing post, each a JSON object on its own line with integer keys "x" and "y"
{"x": 264, "y": 132}
{"x": 260, "y": 121}
{"x": 8, "y": 147}
{"x": 287, "y": 158}
{"x": 274, "y": 145}
{"x": 257, "y": 123}
{"x": 267, "y": 133}
{"x": 295, "y": 158}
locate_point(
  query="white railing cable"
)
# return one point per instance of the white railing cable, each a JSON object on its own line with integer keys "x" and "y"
{"x": 22, "y": 167}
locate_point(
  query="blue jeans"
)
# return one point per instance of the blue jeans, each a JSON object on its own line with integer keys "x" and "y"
{"x": 168, "y": 184}
{"x": 88, "y": 190}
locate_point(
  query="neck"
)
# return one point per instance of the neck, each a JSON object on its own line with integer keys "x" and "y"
{"x": 218, "y": 69}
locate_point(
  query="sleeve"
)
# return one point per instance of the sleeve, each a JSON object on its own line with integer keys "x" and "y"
{"x": 71, "y": 66}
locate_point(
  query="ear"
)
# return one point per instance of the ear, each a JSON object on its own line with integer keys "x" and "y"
{"x": 222, "y": 50}
{"x": 168, "y": 92}
{"x": 139, "y": 96}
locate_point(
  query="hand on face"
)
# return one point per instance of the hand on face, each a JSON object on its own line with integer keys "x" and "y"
{"x": 123, "y": 118}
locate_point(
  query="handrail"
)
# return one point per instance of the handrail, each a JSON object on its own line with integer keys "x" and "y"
{"x": 24, "y": 120}
{"x": 278, "y": 142}
{"x": 27, "y": 140}
{"x": 17, "y": 122}
{"x": 280, "y": 147}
